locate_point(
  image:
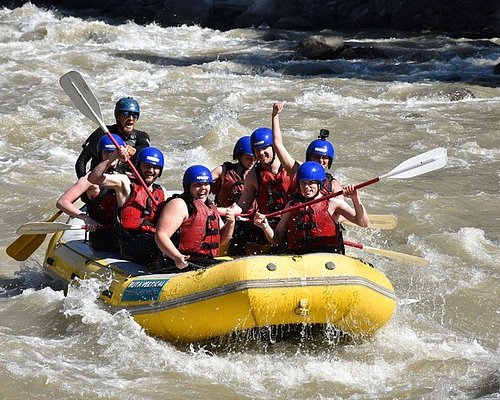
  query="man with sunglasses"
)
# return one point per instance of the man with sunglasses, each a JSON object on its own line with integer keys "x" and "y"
{"x": 127, "y": 113}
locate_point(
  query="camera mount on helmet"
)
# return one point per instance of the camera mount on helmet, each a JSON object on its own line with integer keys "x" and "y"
{"x": 324, "y": 133}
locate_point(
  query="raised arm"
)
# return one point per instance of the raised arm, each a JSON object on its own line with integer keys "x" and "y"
{"x": 286, "y": 159}
{"x": 120, "y": 183}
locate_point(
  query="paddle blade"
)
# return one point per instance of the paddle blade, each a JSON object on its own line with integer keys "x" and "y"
{"x": 398, "y": 256}
{"x": 390, "y": 254}
{"x": 44, "y": 227}
{"x": 378, "y": 221}
{"x": 82, "y": 97}
{"x": 418, "y": 165}
{"x": 24, "y": 246}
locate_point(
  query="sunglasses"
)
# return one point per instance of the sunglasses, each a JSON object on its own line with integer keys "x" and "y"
{"x": 132, "y": 114}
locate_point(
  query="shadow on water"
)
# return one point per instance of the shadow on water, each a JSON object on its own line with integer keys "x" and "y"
{"x": 28, "y": 277}
{"x": 305, "y": 338}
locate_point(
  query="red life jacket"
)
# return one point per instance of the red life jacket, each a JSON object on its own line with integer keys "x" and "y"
{"x": 312, "y": 229}
{"x": 199, "y": 235}
{"x": 139, "y": 213}
{"x": 232, "y": 186}
{"x": 102, "y": 207}
{"x": 274, "y": 189}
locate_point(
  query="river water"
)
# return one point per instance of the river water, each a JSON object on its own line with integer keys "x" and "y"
{"x": 202, "y": 89}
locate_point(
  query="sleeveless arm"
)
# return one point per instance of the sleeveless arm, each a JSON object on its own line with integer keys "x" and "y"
{"x": 249, "y": 193}
{"x": 339, "y": 208}
{"x": 65, "y": 202}
{"x": 171, "y": 218}
{"x": 287, "y": 161}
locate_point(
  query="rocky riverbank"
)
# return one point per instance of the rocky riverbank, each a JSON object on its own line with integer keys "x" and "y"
{"x": 474, "y": 18}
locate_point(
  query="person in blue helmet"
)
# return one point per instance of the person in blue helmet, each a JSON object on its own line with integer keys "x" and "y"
{"x": 100, "y": 202}
{"x": 268, "y": 184}
{"x": 137, "y": 215}
{"x": 190, "y": 228}
{"x": 267, "y": 188}
{"x": 127, "y": 113}
{"x": 315, "y": 227}
{"x": 228, "y": 178}
{"x": 319, "y": 150}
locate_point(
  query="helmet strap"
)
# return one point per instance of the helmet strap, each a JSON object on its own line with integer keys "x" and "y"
{"x": 274, "y": 158}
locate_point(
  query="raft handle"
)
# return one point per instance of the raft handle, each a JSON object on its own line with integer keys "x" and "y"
{"x": 303, "y": 308}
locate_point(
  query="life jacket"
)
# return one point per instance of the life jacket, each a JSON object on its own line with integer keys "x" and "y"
{"x": 229, "y": 186}
{"x": 102, "y": 207}
{"x": 274, "y": 189}
{"x": 139, "y": 213}
{"x": 199, "y": 235}
{"x": 312, "y": 229}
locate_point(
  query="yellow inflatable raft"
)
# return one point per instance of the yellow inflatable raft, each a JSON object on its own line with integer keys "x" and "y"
{"x": 235, "y": 295}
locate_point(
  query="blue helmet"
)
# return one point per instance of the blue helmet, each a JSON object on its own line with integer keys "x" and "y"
{"x": 105, "y": 143}
{"x": 261, "y": 138}
{"x": 242, "y": 146}
{"x": 321, "y": 147}
{"x": 311, "y": 171}
{"x": 196, "y": 173}
{"x": 127, "y": 104}
{"x": 151, "y": 155}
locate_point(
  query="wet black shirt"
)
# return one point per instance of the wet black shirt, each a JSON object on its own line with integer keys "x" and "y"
{"x": 138, "y": 140}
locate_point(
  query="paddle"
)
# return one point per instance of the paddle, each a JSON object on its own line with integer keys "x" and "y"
{"x": 47, "y": 227}
{"x": 378, "y": 221}
{"x": 418, "y": 165}
{"x": 82, "y": 97}
{"x": 390, "y": 254}
{"x": 25, "y": 245}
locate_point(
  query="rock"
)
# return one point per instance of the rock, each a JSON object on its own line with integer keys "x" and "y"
{"x": 363, "y": 52}
{"x": 258, "y": 13}
{"x": 294, "y": 22}
{"x": 459, "y": 94}
{"x": 462, "y": 17}
{"x": 496, "y": 69}
{"x": 319, "y": 47}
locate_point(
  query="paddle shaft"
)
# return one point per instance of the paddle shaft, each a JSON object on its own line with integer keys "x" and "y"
{"x": 322, "y": 198}
{"x": 390, "y": 254}
{"x": 37, "y": 228}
